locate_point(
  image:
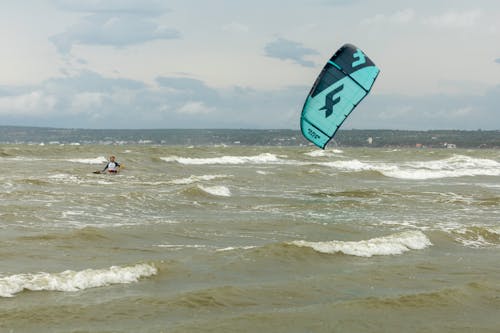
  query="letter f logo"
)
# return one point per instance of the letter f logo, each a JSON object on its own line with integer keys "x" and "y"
{"x": 330, "y": 102}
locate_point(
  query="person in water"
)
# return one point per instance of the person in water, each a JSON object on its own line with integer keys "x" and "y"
{"x": 112, "y": 166}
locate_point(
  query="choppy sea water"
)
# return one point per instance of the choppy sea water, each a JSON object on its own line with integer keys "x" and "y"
{"x": 249, "y": 239}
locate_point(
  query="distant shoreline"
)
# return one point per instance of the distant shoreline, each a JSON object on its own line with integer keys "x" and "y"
{"x": 488, "y": 139}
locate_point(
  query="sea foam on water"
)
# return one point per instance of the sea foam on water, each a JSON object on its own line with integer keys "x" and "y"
{"x": 74, "y": 280}
{"x": 388, "y": 245}
{"x": 257, "y": 159}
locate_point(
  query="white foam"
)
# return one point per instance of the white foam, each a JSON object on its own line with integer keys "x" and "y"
{"x": 181, "y": 246}
{"x": 356, "y": 165}
{"x": 455, "y": 166}
{"x": 323, "y": 153}
{"x": 221, "y": 191}
{"x": 97, "y": 160}
{"x": 388, "y": 245}
{"x": 263, "y": 158}
{"x": 65, "y": 177}
{"x": 233, "y": 248}
{"x": 477, "y": 237}
{"x": 196, "y": 179}
{"x": 71, "y": 281}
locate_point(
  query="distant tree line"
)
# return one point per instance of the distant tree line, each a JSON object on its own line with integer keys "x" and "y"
{"x": 281, "y": 137}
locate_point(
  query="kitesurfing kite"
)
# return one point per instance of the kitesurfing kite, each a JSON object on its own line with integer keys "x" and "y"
{"x": 344, "y": 81}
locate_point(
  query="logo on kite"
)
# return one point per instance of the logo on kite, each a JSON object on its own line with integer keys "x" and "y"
{"x": 361, "y": 58}
{"x": 330, "y": 102}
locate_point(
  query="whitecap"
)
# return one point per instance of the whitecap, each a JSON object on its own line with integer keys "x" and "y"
{"x": 477, "y": 236}
{"x": 388, "y": 245}
{"x": 323, "y": 153}
{"x": 196, "y": 179}
{"x": 71, "y": 281}
{"x": 97, "y": 160}
{"x": 455, "y": 166}
{"x": 263, "y": 158}
{"x": 233, "y": 248}
{"x": 221, "y": 191}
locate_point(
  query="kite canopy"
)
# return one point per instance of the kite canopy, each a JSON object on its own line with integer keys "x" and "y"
{"x": 344, "y": 81}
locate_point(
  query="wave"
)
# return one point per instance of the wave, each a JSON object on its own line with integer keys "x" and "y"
{"x": 97, "y": 160}
{"x": 478, "y": 236}
{"x": 388, "y": 245}
{"x": 458, "y": 295}
{"x": 455, "y": 166}
{"x": 356, "y": 166}
{"x": 201, "y": 191}
{"x": 220, "y": 191}
{"x": 324, "y": 153}
{"x": 196, "y": 179}
{"x": 263, "y": 158}
{"x": 71, "y": 281}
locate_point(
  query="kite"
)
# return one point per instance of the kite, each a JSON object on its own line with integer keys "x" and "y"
{"x": 344, "y": 81}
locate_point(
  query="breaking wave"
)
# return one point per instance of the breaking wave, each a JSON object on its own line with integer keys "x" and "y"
{"x": 388, "y": 245}
{"x": 71, "y": 281}
{"x": 455, "y": 166}
{"x": 257, "y": 159}
{"x": 97, "y": 160}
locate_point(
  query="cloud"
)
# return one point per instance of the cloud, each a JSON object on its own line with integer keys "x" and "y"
{"x": 113, "y": 23}
{"x": 289, "y": 50}
{"x": 87, "y": 93}
{"x": 341, "y": 2}
{"x": 429, "y": 111}
{"x": 235, "y": 27}
{"x": 189, "y": 89}
{"x": 91, "y": 81}
{"x": 31, "y": 103}
{"x": 90, "y": 100}
{"x": 399, "y": 17}
{"x": 454, "y": 19}
{"x": 135, "y": 7}
{"x": 195, "y": 107}
{"x": 497, "y": 60}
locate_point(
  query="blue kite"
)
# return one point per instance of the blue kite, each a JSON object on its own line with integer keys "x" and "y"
{"x": 344, "y": 81}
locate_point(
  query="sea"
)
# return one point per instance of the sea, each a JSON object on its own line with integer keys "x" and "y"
{"x": 232, "y": 238}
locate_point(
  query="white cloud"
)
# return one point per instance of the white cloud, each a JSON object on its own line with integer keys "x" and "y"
{"x": 194, "y": 108}
{"x": 33, "y": 103}
{"x": 454, "y": 19}
{"x": 86, "y": 101}
{"x": 285, "y": 49}
{"x": 113, "y": 22}
{"x": 399, "y": 17}
{"x": 235, "y": 27}
{"x": 141, "y": 7}
{"x": 403, "y": 16}
{"x": 112, "y": 30}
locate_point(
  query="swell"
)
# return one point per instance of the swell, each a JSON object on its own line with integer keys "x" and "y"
{"x": 284, "y": 308}
{"x": 71, "y": 281}
{"x": 84, "y": 234}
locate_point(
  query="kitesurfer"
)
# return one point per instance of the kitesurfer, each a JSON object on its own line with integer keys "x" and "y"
{"x": 112, "y": 166}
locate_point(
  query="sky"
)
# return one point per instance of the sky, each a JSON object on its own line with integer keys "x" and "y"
{"x": 244, "y": 64}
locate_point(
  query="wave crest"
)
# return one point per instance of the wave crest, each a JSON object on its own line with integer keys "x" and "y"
{"x": 72, "y": 280}
{"x": 388, "y": 245}
{"x": 257, "y": 159}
